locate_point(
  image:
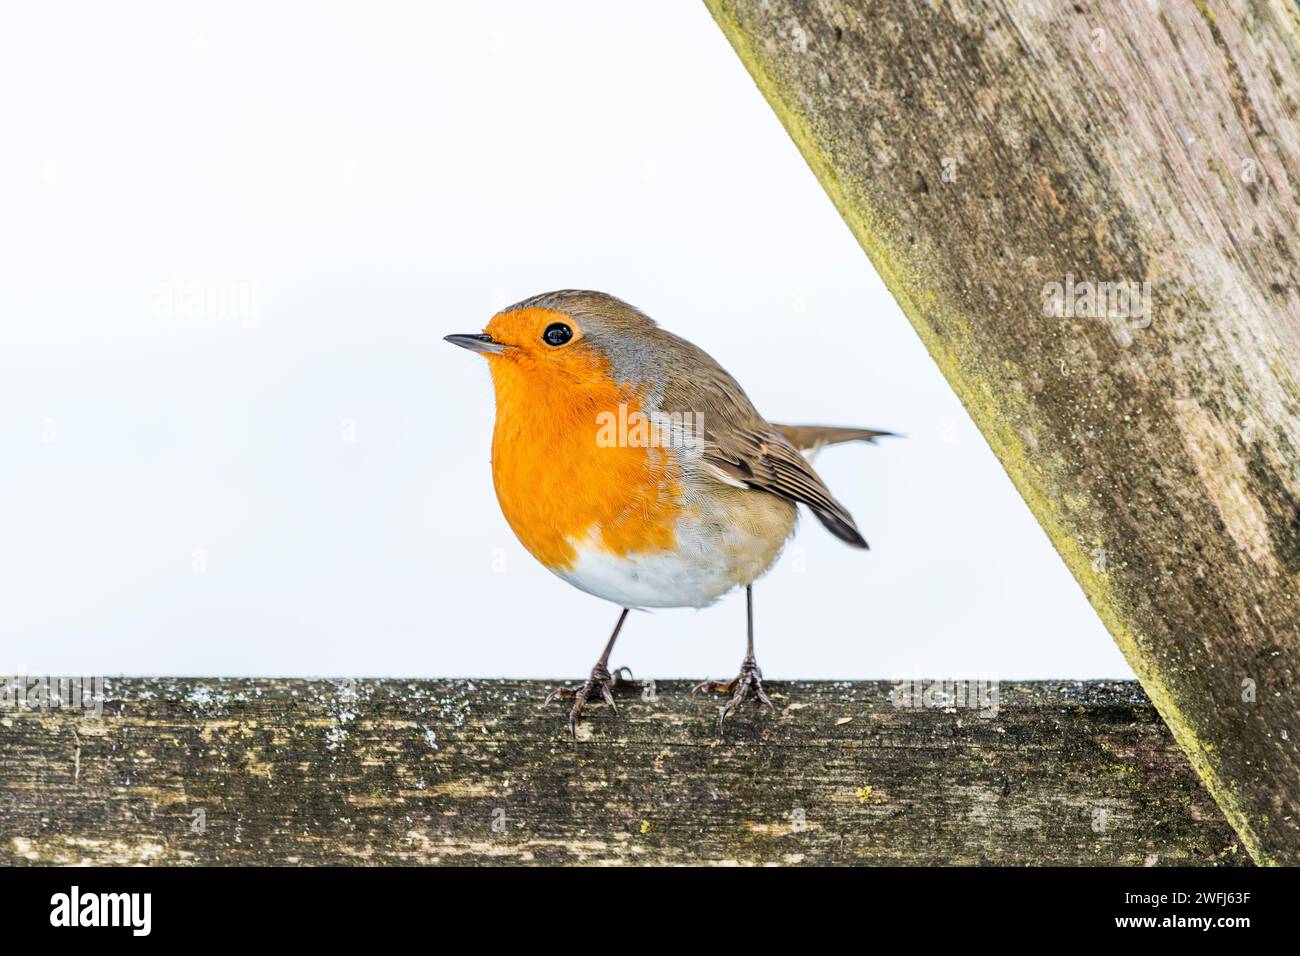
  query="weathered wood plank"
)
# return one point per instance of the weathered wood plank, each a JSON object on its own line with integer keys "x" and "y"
{"x": 393, "y": 772}
{"x": 988, "y": 155}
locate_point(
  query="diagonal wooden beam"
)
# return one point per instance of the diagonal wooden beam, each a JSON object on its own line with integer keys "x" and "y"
{"x": 997, "y": 161}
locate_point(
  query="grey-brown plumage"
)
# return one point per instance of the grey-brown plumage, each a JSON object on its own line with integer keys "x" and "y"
{"x": 740, "y": 444}
{"x": 744, "y": 446}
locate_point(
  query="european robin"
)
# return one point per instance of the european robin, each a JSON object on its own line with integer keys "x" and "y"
{"x": 633, "y": 466}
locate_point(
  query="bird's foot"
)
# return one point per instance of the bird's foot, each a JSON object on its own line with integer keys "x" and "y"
{"x": 745, "y": 685}
{"x": 600, "y": 684}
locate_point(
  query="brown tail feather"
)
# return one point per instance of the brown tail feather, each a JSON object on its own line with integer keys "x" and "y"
{"x": 809, "y": 438}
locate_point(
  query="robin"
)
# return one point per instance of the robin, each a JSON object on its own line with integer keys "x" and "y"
{"x": 633, "y": 466}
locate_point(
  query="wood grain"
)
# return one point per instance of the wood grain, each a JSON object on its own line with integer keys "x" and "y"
{"x": 481, "y": 772}
{"x": 985, "y": 153}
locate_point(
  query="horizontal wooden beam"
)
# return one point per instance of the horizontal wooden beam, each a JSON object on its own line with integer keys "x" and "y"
{"x": 1088, "y": 211}
{"x": 262, "y": 771}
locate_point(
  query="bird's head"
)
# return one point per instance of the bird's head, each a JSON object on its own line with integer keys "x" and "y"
{"x": 559, "y": 343}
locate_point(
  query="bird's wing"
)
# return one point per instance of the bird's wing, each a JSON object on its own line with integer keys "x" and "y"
{"x": 743, "y": 448}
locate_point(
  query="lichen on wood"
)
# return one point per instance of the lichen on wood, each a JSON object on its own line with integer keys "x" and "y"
{"x": 988, "y": 155}
{"x": 265, "y": 771}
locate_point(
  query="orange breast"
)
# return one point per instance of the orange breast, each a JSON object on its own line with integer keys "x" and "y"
{"x": 557, "y": 483}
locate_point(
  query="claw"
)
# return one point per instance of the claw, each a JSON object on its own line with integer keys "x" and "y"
{"x": 709, "y": 686}
{"x": 748, "y": 683}
{"x": 601, "y": 681}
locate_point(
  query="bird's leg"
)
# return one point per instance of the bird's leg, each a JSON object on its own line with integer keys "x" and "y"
{"x": 749, "y": 682}
{"x": 601, "y": 682}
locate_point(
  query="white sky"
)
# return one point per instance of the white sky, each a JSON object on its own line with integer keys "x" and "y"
{"x": 177, "y": 494}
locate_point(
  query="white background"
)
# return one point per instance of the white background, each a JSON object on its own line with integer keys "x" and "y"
{"x": 178, "y": 494}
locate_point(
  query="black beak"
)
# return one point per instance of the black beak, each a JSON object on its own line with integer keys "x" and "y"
{"x": 477, "y": 343}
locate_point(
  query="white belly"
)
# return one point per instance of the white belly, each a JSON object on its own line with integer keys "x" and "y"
{"x": 712, "y": 555}
{"x": 665, "y": 579}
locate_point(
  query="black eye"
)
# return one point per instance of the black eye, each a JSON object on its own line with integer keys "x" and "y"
{"x": 557, "y": 333}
